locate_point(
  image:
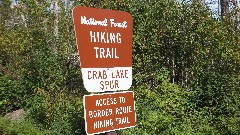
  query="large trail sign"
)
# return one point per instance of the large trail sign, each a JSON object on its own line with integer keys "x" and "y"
{"x": 109, "y": 112}
{"x": 104, "y": 39}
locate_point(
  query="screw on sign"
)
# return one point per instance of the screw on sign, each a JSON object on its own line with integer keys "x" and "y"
{"x": 108, "y": 112}
{"x": 104, "y": 39}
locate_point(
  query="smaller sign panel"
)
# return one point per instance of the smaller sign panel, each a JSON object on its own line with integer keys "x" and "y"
{"x": 109, "y": 112}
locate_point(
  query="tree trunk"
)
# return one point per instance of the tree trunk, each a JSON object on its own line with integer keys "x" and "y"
{"x": 236, "y": 14}
{"x": 201, "y": 2}
{"x": 55, "y": 25}
{"x": 224, "y": 7}
{"x": 66, "y": 4}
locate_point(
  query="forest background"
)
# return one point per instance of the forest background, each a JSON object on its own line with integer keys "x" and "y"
{"x": 186, "y": 76}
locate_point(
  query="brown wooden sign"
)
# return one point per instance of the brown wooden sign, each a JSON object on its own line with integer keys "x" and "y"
{"x": 104, "y": 39}
{"x": 109, "y": 112}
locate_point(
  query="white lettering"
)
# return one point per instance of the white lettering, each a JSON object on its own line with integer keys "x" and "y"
{"x": 92, "y": 21}
{"x": 102, "y": 50}
{"x": 106, "y": 53}
{"x": 123, "y": 110}
{"x": 119, "y": 40}
{"x": 119, "y": 25}
{"x": 105, "y": 37}
{"x": 100, "y": 113}
{"x": 92, "y": 36}
{"x": 96, "y": 48}
{"x": 104, "y": 123}
{"x": 122, "y": 99}
{"x": 106, "y": 101}
{"x": 123, "y": 120}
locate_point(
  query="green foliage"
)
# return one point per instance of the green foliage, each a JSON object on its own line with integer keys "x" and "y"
{"x": 8, "y": 127}
{"x": 165, "y": 108}
{"x": 10, "y": 96}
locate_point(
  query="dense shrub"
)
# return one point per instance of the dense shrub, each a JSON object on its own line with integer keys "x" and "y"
{"x": 8, "y": 127}
{"x": 11, "y": 95}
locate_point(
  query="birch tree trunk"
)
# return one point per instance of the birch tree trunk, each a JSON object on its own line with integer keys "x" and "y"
{"x": 55, "y": 25}
{"x": 24, "y": 20}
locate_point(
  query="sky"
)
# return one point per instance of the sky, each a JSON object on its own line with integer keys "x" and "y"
{"x": 213, "y": 4}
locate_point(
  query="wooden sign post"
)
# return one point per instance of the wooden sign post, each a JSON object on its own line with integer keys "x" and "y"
{"x": 104, "y": 40}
